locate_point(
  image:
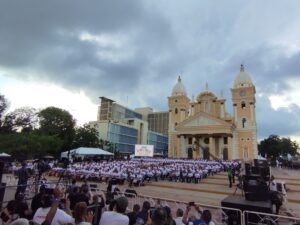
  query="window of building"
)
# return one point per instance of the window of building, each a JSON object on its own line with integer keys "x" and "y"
{"x": 243, "y": 105}
{"x": 225, "y": 139}
{"x": 244, "y": 122}
{"x": 176, "y": 110}
{"x": 190, "y": 141}
{"x": 175, "y": 100}
{"x": 246, "y": 153}
{"x": 206, "y": 140}
{"x": 175, "y": 124}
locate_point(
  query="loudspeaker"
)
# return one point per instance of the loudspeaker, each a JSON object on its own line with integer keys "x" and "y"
{"x": 255, "y": 191}
{"x": 238, "y": 202}
{"x": 255, "y": 170}
{"x": 130, "y": 193}
{"x": 265, "y": 173}
{"x": 260, "y": 163}
{"x": 247, "y": 169}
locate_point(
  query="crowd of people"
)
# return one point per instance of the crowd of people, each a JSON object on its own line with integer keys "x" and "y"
{"x": 139, "y": 170}
{"x": 77, "y": 206}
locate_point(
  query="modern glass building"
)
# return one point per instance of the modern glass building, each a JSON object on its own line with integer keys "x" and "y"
{"x": 124, "y": 138}
{"x": 159, "y": 122}
{"x": 124, "y": 127}
{"x": 159, "y": 141}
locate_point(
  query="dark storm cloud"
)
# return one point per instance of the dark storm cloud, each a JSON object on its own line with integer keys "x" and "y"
{"x": 146, "y": 45}
{"x": 44, "y": 39}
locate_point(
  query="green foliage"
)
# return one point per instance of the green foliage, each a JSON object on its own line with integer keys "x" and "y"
{"x": 59, "y": 123}
{"x": 3, "y": 108}
{"x": 86, "y": 136}
{"x": 275, "y": 146}
{"x": 28, "y": 146}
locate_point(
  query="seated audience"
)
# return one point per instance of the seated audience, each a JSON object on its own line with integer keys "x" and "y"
{"x": 81, "y": 215}
{"x": 132, "y": 215}
{"x": 179, "y": 215}
{"x": 116, "y": 217}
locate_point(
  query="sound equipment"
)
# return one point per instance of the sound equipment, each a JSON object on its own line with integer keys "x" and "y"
{"x": 260, "y": 163}
{"x": 255, "y": 170}
{"x": 256, "y": 191}
{"x": 130, "y": 193}
{"x": 265, "y": 173}
{"x": 247, "y": 169}
{"x": 238, "y": 202}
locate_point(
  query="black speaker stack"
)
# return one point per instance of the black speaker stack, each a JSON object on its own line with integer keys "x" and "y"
{"x": 256, "y": 191}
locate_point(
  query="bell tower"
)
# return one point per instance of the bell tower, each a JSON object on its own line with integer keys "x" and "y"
{"x": 178, "y": 111}
{"x": 245, "y": 134}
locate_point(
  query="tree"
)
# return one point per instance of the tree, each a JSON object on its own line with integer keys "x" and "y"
{"x": 59, "y": 123}
{"x": 3, "y": 108}
{"x": 30, "y": 145}
{"x": 25, "y": 119}
{"x": 86, "y": 136}
{"x": 275, "y": 146}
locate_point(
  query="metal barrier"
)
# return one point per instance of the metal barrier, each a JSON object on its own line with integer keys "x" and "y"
{"x": 251, "y": 217}
{"x": 220, "y": 215}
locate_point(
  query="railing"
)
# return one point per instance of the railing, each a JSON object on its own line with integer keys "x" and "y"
{"x": 251, "y": 218}
{"x": 220, "y": 215}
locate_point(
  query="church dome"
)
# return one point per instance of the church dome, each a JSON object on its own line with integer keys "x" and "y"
{"x": 206, "y": 95}
{"x": 179, "y": 88}
{"x": 242, "y": 79}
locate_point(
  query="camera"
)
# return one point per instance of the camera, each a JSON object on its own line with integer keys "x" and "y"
{"x": 191, "y": 203}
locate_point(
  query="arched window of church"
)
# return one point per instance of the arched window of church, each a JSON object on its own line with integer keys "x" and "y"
{"x": 176, "y": 110}
{"x": 206, "y": 141}
{"x": 243, "y": 105}
{"x": 175, "y": 124}
{"x": 246, "y": 153}
{"x": 244, "y": 122}
{"x": 207, "y": 107}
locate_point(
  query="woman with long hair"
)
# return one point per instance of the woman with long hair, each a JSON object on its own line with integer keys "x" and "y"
{"x": 81, "y": 214}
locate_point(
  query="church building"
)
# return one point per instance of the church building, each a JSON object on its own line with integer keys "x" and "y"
{"x": 203, "y": 129}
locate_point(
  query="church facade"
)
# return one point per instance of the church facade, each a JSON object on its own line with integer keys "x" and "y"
{"x": 202, "y": 128}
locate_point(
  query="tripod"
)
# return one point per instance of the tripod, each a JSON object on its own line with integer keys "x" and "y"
{"x": 239, "y": 186}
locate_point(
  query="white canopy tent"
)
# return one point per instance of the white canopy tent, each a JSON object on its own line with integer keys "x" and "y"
{"x": 84, "y": 151}
{"x": 3, "y": 154}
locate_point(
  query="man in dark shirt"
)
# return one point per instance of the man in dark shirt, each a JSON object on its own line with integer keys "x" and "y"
{"x": 142, "y": 216}
{"x": 37, "y": 200}
{"x": 132, "y": 215}
{"x": 23, "y": 176}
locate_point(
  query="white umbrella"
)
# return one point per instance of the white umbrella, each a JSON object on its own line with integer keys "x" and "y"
{"x": 4, "y": 155}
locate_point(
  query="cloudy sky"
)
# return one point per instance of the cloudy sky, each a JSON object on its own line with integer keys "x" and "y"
{"x": 68, "y": 53}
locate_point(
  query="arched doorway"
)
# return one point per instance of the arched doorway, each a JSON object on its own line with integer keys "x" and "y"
{"x": 206, "y": 153}
{"x": 190, "y": 153}
{"x": 225, "y": 154}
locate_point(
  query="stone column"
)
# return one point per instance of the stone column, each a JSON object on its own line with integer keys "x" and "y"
{"x": 182, "y": 152}
{"x": 192, "y": 110}
{"x": 230, "y": 148}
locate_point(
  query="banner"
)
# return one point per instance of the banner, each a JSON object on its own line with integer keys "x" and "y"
{"x": 144, "y": 150}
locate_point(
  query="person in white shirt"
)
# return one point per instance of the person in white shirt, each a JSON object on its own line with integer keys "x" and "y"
{"x": 60, "y": 218}
{"x": 116, "y": 217}
{"x": 179, "y": 215}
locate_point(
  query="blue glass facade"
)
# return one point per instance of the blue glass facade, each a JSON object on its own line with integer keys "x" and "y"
{"x": 159, "y": 141}
{"x": 123, "y": 137}
{"x": 132, "y": 114}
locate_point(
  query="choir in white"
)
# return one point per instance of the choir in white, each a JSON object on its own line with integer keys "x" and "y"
{"x": 139, "y": 170}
